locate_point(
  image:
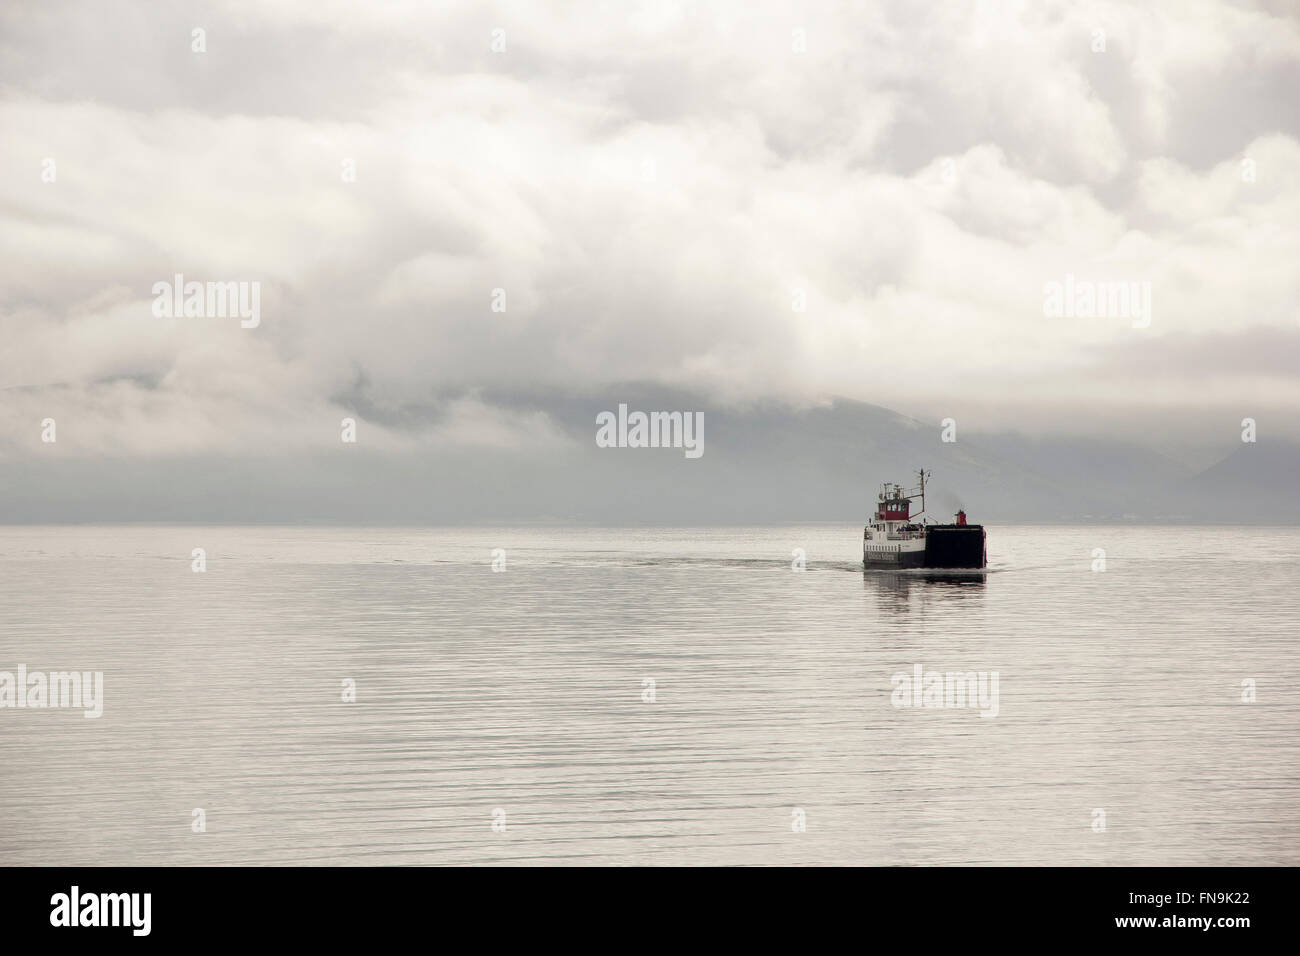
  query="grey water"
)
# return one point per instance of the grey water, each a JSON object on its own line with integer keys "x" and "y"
{"x": 649, "y": 696}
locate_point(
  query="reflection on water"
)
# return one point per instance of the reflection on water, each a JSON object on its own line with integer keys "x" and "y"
{"x": 647, "y": 696}
{"x": 897, "y": 590}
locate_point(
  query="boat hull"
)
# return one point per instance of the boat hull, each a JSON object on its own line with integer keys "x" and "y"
{"x": 946, "y": 546}
{"x": 893, "y": 560}
{"x": 955, "y": 546}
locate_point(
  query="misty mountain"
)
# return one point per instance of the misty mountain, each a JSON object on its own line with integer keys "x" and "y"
{"x": 1256, "y": 484}
{"x": 760, "y": 463}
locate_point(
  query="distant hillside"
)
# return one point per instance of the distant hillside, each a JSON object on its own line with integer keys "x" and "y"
{"x": 766, "y": 463}
{"x": 1257, "y": 483}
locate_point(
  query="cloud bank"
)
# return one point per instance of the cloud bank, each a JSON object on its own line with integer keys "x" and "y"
{"x": 751, "y": 202}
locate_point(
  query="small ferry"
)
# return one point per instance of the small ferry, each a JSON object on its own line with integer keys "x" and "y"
{"x": 896, "y": 538}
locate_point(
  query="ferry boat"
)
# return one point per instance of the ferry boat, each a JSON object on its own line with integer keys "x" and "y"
{"x": 896, "y": 538}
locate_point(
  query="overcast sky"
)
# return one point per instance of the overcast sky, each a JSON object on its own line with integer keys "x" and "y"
{"x": 652, "y": 184}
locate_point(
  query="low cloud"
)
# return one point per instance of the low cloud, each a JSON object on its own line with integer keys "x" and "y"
{"x": 666, "y": 194}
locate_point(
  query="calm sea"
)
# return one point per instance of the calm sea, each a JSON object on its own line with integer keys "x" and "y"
{"x": 638, "y": 696}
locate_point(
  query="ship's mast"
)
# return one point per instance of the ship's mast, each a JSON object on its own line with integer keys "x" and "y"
{"x": 891, "y": 493}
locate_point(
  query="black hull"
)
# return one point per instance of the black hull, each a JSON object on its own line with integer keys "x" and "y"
{"x": 894, "y": 560}
{"x": 955, "y": 546}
